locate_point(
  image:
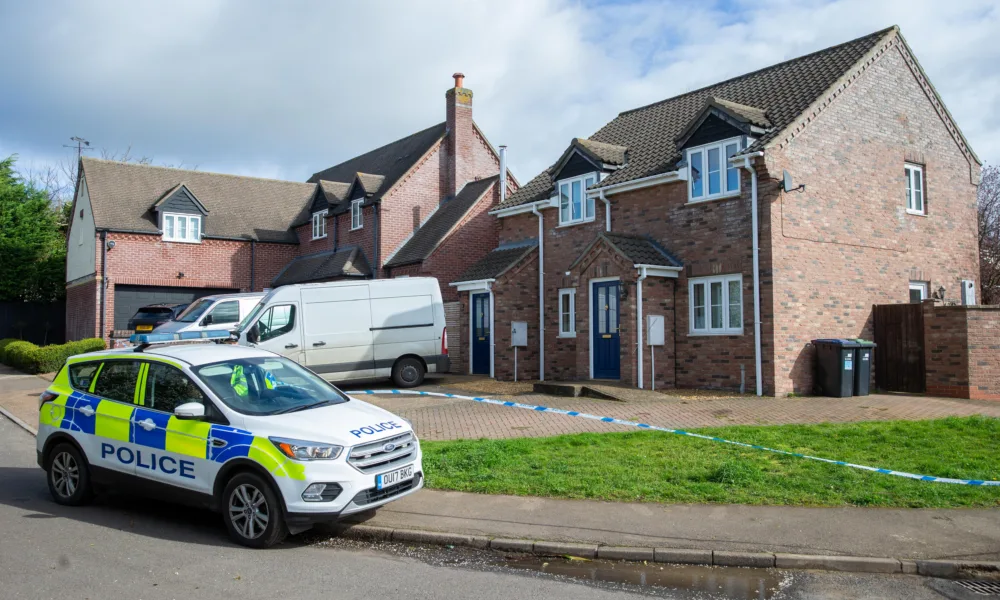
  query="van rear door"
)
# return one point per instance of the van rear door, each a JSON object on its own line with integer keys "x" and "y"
{"x": 337, "y": 332}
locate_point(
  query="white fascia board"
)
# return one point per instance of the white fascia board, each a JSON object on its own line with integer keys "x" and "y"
{"x": 473, "y": 286}
{"x": 523, "y": 208}
{"x": 659, "y": 271}
{"x": 637, "y": 184}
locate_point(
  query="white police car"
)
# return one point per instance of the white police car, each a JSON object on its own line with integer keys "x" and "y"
{"x": 269, "y": 444}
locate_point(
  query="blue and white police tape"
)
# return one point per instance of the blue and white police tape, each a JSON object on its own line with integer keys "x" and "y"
{"x": 573, "y": 413}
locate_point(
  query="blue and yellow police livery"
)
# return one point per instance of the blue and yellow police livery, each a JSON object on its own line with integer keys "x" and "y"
{"x": 259, "y": 438}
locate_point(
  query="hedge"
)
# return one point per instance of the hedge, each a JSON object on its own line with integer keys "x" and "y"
{"x": 30, "y": 358}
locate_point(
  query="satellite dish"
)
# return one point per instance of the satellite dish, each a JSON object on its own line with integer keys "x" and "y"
{"x": 787, "y": 183}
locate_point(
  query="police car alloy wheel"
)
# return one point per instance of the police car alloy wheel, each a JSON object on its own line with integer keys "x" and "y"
{"x": 408, "y": 372}
{"x": 69, "y": 480}
{"x": 252, "y": 512}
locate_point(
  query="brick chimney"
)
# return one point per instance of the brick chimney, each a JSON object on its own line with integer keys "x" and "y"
{"x": 461, "y": 137}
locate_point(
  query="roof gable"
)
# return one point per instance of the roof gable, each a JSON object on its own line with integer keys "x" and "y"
{"x": 441, "y": 223}
{"x": 637, "y": 249}
{"x": 179, "y": 199}
{"x": 721, "y": 119}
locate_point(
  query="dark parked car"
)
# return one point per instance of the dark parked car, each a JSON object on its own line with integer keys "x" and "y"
{"x": 149, "y": 317}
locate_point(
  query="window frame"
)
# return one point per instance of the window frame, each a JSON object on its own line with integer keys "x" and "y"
{"x": 219, "y": 305}
{"x": 188, "y": 220}
{"x": 923, "y": 286}
{"x": 585, "y": 202}
{"x": 105, "y": 364}
{"x": 356, "y": 211}
{"x": 707, "y": 282}
{"x": 270, "y": 311}
{"x": 914, "y": 172}
{"x": 724, "y": 166}
{"x": 571, "y": 293}
{"x": 319, "y": 224}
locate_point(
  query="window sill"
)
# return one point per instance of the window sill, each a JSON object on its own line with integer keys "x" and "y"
{"x": 182, "y": 241}
{"x": 574, "y": 223}
{"x": 567, "y": 335}
{"x": 357, "y": 228}
{"x": 714, "y": 199}
{"x": 731, "y": 333}
{"x": 916, "y": 213}
{"x": 319, "y": 237}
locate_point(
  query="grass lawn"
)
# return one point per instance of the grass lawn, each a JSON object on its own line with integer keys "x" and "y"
{"x": 650, "y": 466}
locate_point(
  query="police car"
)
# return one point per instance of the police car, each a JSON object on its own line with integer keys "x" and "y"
{"x": 250, "y": 434}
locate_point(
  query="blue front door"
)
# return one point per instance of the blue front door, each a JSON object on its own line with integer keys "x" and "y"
{"x": 481, "y": 334}
{"x": 607, "y": 342}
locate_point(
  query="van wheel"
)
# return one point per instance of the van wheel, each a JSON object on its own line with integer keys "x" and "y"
{"x": 408, "y": 372}
{"x": 68, "y": 476}
{"x": 252, "y": 511}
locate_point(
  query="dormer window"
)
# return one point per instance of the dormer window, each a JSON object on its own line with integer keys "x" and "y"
{"x": 319, "y": 224}
{"x": 711, "y": 175}
{"x": 574, "y": 205}
{"x": 356, "y": 217}
{"x": 181, "y": 228}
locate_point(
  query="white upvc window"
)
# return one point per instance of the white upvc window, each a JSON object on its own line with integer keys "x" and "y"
{"x": 574, "y": 205}
{"x": 915, "y": 189}
{"x": 356, "y": 221}
{"x": 711, "y": 175}
{"x": 919, "y": 291}
{"x": 182, "y": 228}
{"x": 716, "y": 305}
{"x": 567, "y": 312}
{"x": 319, "y": 224}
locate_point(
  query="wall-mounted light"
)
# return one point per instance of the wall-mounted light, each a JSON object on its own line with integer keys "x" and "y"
{"x": 941, "y": 292}
{"x": 180, "y": 275}
{"x": 111, "y": 244}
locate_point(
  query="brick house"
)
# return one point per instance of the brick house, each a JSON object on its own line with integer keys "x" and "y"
{"x": 748, "y": 218}
{"x": 154, "y": 234}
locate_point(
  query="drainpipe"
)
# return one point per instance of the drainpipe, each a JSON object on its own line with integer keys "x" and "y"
{"x": 336, "y": 228}
{"x": 375, "y": 240}
{"x": 541, "y": 292}
{"x": 638, "y": 317}
{"x": 756, "y": 272}
{"x": 607, "y": 211}
{"x": 104, "y": 280}
{"x": 253, "y": 248}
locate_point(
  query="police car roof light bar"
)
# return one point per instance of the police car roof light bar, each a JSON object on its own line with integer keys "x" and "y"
{"x": 145, "y": 340}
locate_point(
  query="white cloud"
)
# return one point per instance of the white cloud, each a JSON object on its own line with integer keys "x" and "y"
{"x": 246, "y": 87}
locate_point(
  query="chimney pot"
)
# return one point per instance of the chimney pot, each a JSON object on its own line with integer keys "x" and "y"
{"x": 459, "y": 79}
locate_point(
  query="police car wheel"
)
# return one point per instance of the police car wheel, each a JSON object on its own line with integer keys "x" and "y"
{"x": 408, "y": 372}
{"x": 68, "y": 476}
{"x": 253, "y": 512}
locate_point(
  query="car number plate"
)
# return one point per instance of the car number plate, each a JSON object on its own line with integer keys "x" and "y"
{"x": 144, "y": 328}
{"x": 393, "y": 477}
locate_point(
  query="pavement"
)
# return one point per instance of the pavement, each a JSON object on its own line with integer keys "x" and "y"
{"x": 126, "y": 547}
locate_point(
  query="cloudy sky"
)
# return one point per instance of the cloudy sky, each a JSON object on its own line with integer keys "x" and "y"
{"x": 285, "y": 89}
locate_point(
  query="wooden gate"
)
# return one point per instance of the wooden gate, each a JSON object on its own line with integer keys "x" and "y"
{"x": 899, "y": 355}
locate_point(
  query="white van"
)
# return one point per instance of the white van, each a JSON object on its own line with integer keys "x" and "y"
{"x": 222, "y": 311}
{"x": 355, "y": 329}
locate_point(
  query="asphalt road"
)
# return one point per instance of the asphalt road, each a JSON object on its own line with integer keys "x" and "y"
{"x": 126, "y": 547}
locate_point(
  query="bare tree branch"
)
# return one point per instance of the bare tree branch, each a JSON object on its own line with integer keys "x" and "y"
{"x": 989, "y": 234}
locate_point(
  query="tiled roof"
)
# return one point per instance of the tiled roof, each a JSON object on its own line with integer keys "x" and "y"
{"x": 123, "y": 194}
{"x": 498, "y": 262}
{"x": 750, "y": 114}
{"x": 783, "y": 91}
{"x": 607, "y": 153}
{"x": 639, "y": 249}
{"x": 426, "y": 239}
{"x": 390, "y": 162}
{"x": 371, "y": 184}
{"x": 335, "y": 191}
{"x": 345, "y": 262}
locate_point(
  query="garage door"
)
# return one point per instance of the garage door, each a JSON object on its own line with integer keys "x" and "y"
{"x": 130, "y": 298}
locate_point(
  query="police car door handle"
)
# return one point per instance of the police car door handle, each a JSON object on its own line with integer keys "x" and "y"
{"x": 218, "y": 443}
{"x": 146, "y": 424}
{"x": 87, "y": 410}
{"x": 291, "y": 345}
{"x": 319, "y": 343}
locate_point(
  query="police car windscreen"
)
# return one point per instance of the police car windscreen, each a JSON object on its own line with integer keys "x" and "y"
{"x": 267, "y": 386}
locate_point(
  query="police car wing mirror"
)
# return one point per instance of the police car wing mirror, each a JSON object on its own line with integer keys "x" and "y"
{"x": 190, "y": 410}
{"x": 253, "y": 334}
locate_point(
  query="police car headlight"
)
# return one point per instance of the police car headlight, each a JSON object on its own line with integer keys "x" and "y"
{"x": 303, "y": 450}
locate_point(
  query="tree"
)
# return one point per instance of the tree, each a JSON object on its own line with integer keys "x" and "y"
{"x": 989, "y": 235}
{"x": 32, "y": 248}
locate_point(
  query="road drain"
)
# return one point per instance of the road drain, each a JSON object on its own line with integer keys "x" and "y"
{"x": 982, "y": 588}
{"x": 731, "y": 582}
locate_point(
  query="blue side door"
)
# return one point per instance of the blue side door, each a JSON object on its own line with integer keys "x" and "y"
{"x": 606, "y": 338}
{"x": 481, "y": 334}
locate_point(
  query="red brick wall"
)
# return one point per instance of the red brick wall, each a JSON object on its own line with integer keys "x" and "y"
{"x": 846, "y": 242}
{"x": 82, "y": 308}
{"x": 148, "y": 260}
{"x": 960, "y": 351}
{"x": 414, "y": 198}
{"x": 515, "y": 299}
{"x": 307, "y": 245}
{"x": 359, "y": 237}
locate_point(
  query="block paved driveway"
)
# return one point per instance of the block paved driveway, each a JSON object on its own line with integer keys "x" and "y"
{"x": 436, "y": 418}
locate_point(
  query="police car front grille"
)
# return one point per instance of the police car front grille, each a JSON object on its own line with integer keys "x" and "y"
{"x": 372, "y": 457}
{"x": 375, "y": 495}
